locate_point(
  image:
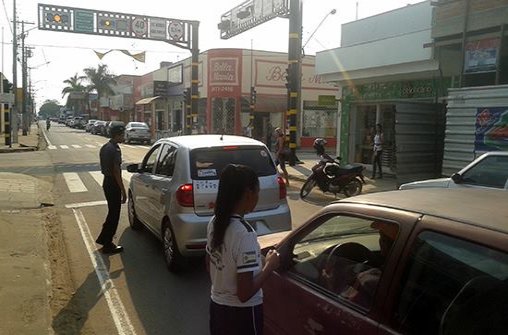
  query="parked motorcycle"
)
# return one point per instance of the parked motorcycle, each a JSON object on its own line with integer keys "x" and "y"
{"x": 331, "y": 177}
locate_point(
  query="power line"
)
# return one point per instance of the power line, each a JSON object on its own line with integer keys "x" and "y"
{"x": 7, "y": 16}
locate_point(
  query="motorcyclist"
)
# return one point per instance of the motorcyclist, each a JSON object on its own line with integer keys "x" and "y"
{"x": 48, "y": 123}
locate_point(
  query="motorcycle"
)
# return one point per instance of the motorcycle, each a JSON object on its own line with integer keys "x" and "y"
{"x": 330, "y": 176}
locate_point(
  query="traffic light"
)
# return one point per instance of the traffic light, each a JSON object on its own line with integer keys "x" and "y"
{"x": 252, "y": 95}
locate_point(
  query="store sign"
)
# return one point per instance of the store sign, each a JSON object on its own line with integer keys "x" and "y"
{"x": 398, "y": 90}
{"x": 491, "y": 129}
{"x": 481, "y": 56}
{"x": 160, "y": 88}
{"x": 223, "y": 75}
{"x": 327, "y": 100}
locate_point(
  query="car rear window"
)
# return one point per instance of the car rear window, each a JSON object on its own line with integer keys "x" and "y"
{"x": 207, "y": 163}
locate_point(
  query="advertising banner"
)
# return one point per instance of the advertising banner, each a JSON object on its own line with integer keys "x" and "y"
{"x": 491, "y": 129}
{"x": 481, "y": 56}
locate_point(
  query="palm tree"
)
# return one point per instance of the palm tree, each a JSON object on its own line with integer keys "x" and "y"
{"x": 74, "y": 86}
{"x": 100, "y": 81}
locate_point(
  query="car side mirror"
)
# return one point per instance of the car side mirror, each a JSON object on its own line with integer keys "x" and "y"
{"x": 133, "y": 168}
{"x": 457, "y": 178}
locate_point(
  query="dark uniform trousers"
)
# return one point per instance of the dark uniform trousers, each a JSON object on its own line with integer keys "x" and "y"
{"x": 114, "y": 198}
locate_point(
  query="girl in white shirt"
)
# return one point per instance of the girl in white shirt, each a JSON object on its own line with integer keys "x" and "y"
{"x": 233, "y": 257}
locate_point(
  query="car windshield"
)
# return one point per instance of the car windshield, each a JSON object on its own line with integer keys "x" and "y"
{"x": 208, "y": 163}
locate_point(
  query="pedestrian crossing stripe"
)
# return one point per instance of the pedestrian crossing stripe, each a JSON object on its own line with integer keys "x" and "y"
{"x": 76, "y": 185}
{"x": 76, "y": 146}
{"x": 51, "y": 147}
{"x": 91, "y": 146}
{"x": 64, "y": 147}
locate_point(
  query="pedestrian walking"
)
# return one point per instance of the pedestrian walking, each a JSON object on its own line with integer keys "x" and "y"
{"x": 269, "y": 135}
{"x": 377, "y": 151}
{"x": 234, "y": 260}
{"x": 111, "y": 160}
{"x": 282, "y": 153}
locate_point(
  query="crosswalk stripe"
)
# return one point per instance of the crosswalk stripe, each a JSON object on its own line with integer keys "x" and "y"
{"x": 64, "y": 147}
{"x": 128, "y": 146}
{"x": 74, "y": 183}
{"x": 90, "y": 146}
{"x": 51, "y": 147}
{"x": 97, "y": 175}
{"x": 76, "y": 146}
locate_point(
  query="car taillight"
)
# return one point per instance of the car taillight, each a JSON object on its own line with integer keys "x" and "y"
{"x": 185, "y": 195}
{"x": 282, "y": 188}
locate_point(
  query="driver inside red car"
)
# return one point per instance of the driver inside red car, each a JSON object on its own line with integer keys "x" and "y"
{"x": 364, "y": 275}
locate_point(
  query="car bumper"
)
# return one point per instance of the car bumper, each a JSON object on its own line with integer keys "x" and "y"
{"x": 190, "y": 229}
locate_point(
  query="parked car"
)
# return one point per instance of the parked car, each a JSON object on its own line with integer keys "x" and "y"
{"x": 97, "y": 127}
{"x": 137, "y": 131}
{"x": 490, "y": 170}
{"x": 89, "y": 125}
{"x": 109, "y": 124}
{"x": 78, "y": 122}
{"x": 69, "y": 121}
{"x": 423, "y": 261}
{"x": 173, "y": 190}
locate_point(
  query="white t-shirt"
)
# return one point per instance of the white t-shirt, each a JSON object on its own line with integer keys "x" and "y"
{"x": 239, "y": 253}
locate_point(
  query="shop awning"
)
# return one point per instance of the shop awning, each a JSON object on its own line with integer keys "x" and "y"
{"x": 146, "y": 101}
{"x": 274, "y": 103}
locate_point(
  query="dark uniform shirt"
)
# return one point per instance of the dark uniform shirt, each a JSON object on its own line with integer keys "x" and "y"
{"x": 110, "y": 155}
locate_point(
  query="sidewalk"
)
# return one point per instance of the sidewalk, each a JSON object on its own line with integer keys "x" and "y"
{"x": 30, "y": 142}
{"x": 25, "y": 278}
{"x": 300, "y": 172}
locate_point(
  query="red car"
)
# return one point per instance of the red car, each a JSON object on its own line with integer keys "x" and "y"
{"x": 422, "y": 261}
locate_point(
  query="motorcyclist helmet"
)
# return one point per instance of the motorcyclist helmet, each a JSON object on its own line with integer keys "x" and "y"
{"x": 319, "y": 145}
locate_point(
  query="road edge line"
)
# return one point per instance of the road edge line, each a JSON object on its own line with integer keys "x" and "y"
{"x": 115, "y": 305}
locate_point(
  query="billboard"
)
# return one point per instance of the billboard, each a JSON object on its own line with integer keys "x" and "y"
{"x": 491, "y": 129}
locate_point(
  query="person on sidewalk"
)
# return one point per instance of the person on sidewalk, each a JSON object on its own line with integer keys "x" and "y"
{"x": 377, "y": 151}
{"x": 111, "y": 160}
{"x": 281, "y": 152}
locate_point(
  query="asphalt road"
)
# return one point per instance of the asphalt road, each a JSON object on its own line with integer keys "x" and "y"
{"x": 142, "y": 297}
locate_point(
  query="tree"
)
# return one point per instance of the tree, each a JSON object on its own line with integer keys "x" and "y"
{"x": 100, "y": 81}
{"x": 50, "y": 108}
{"x": 75, "y": 86}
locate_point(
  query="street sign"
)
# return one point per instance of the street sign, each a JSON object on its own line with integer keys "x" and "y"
{"x": 139, "y": 26}
{"x": 157, "y": 28}
{"x": 176, "y": 30}
{"x": 94, "y": 22}
{"x": 7, "y": 98}
{"x": 83, "y": 21}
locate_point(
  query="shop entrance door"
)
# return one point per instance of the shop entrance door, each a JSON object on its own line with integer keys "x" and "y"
{"x": 419, "y": 134}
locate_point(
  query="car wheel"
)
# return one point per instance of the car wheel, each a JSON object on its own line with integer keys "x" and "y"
{"x": 172, "y": 255}
{"x": 354, "y": 187}
{"x": 133, "y": 218}
{"x": 307, "y": 187}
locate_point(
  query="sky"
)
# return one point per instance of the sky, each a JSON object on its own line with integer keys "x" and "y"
{"x": 58, "y": 56}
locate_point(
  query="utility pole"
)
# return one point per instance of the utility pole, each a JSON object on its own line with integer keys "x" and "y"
{"x": 24, "y": 55}
{"x": 14, "y": 110}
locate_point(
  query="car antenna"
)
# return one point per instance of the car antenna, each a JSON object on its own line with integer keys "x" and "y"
{"x": 222, "y": 136}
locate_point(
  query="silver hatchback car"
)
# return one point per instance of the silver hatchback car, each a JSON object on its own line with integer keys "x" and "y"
{"x": 173, "y": 191}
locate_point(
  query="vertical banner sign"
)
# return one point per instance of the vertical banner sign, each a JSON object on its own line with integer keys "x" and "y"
{"x": 83, "y": 21}
{"x": 491, "y": 129}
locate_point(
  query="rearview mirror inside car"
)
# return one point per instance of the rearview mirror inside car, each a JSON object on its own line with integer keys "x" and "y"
{"x": 457, "y": 178}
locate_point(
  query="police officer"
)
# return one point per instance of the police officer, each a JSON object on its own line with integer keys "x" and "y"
{"x": 111, "y": 160}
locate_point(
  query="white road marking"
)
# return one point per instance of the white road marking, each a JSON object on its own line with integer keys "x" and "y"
{"x": 90, "y": 146}
{"x": 87, "y": 204}
{"x": 97, "y": 175}
{"x": 73, "y": 182}
{"x": 129, "y": 146}
{"x": 120, "y": 317}
{"x": 76, "y": 146}
{"x": 51, "y": 147}
{"x": 46, "y": 137}
{"x": 64, "y": 147}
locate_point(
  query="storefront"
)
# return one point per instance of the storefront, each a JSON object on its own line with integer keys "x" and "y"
{"x": 412, "y": 116}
